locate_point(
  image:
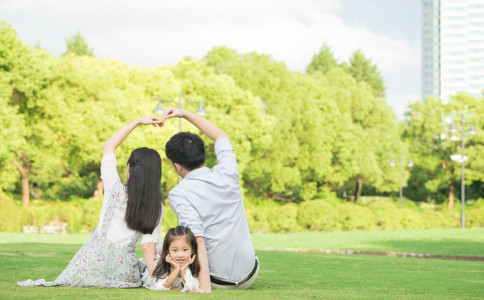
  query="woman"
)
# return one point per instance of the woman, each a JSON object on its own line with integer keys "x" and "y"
{"x": 107, "y": 259}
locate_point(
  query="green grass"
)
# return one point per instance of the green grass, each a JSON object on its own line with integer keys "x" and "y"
{"x": 468, "y": 242}
{"x": 284, "y": 275}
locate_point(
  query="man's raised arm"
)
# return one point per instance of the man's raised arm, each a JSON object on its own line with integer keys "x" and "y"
{"x": 205, "y": 126}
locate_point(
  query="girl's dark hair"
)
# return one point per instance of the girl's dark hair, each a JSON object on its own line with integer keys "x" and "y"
{"x": 144, "y": 208}
{"x": 163, "y": 268}
{"x": 186, "y": 149}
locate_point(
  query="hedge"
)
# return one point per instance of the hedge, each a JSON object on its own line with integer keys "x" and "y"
{"x": 318, "y": 215}
{"x": 355, "y": 217}
{"x": 386, "y": 215}
{"x": 82, "y": 215}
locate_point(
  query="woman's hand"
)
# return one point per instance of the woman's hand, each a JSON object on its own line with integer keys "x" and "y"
{"x": 172, "y": 263}
{"x": 155, "y": 121}
{"x": 114, "y": 141}
{"x": 185, "y": 266}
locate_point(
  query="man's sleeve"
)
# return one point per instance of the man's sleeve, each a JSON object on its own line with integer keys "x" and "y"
{"x": 187, "y": 215}
{"x": 226, "y": 155}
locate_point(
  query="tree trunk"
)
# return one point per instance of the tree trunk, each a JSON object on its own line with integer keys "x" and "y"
{"x": 359, "y": 185}
{"x": 24, "y": 171}
{"x": 450, "y": 205}
{"x": 34, "y": 190}
{"x": 99, "y": 188}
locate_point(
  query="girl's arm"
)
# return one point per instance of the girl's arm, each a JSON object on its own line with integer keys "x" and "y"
{"x": 171, "y": 278}
{"x": 113, "y": 142}
{"x": 173, "y": 275}
{"x": 183, "y": 269}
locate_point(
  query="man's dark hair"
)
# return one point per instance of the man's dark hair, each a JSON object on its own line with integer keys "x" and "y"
{"x": 186, "y": 149}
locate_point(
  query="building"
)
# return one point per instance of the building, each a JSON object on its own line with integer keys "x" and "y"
{"x": 452, "y": 48}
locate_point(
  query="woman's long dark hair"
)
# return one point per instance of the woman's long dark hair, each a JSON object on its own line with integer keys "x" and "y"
{"x": 163, "y": 268}
{"x": 144, "y": 208}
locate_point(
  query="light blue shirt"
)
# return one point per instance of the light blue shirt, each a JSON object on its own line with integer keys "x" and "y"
{"x": 210, "y": 203}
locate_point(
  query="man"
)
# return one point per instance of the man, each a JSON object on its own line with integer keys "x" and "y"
{"x": 210, "y": 203}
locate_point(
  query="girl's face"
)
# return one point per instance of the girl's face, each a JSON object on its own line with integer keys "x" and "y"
{"x": 180, "y": 251}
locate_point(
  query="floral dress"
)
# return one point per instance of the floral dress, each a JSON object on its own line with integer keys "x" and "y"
{"x": 100, "y": 263}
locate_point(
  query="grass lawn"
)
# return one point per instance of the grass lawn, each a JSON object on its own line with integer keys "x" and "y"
{"x": 468, "y": 242}
{"x": 284, "y": 275}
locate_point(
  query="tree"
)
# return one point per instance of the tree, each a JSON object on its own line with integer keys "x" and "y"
{"x": 372, "y": 134}
{"x": 363, "y": 70}
{"x": 78, "y": 45}
{"x": 426, "y": 133}
{"x": 323, "y": 62}
{"x": 300, "y": 160}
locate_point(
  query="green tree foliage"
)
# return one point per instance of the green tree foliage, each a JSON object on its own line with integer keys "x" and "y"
{"x": 364, "y": 70}
{"x": 77, "y": 45}
{"x": 323, "y": 62}
{"x": 436, "y": 176}
{"x": 298, "y": 137}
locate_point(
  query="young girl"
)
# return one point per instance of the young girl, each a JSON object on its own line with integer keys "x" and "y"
{"x": 107, "y": 259}
{"x": 178, "y": 267}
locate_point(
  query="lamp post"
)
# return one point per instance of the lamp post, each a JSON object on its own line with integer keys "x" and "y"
{"x": 462, "y": 159}
{"x": 159, "y": 108}
{"x": 409, "y": 164}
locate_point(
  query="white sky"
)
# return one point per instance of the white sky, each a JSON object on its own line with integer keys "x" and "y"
{"x": 159, "y": 32}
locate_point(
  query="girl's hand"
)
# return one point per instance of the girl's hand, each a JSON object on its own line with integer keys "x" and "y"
{"x": 155, "y": 121}
{"x": 185, "y": 266}
{"x": 172, "y": 263}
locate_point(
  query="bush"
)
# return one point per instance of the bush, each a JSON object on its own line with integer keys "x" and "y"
{"x": 437, "y": 219}
{"x": 410, "y": 219}
{"x": 90, "y": 214}
{"x": 9, "y": 214}
{"x": 365, "y": 200}
{"x": 284, "y": 218}
{"x": 169, "y": 219}
{"x": 257, "y": 219}
{"x": 317, "y": 215}
{"x": 355, "y": 217}
{"x": 479, "y": 203}
{"x": 386, "y": 215}
{"x": 72, "y": 215}
{"x": 328, "y": 196}
{"x": 409, "y": 204}
{"x": 476, "y": 217}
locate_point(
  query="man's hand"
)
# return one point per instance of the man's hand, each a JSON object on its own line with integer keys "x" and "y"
{"x": 155, "y": 121}
{"x": 172, "y": 112}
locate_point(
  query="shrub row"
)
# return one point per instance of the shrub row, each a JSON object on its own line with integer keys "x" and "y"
{"x": 316, "y": 215}
{"x": 81, "y": 215}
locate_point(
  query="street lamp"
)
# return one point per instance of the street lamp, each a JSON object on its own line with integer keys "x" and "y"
{"x": 159, "y": 108}
{"x": 461, "y": 159}
{"x": 409, "y": 164}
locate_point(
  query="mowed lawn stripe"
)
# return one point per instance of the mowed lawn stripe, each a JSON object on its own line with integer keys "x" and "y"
{"x": 284, "y": 275}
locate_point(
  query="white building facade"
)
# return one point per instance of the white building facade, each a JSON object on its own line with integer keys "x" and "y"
{"x": 452, "y": 48}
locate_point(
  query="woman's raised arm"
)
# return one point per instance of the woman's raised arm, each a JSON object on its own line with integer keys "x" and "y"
{"x": 114, "y": 141}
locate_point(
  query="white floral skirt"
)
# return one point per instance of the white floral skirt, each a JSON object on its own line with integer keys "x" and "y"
{"x": 100, "y": 263}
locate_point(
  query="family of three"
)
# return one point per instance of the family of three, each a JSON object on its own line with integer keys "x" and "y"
{"x": 211, "y": 247}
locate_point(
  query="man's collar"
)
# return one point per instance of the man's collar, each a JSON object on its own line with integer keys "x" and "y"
{"x": 196, "y": 172}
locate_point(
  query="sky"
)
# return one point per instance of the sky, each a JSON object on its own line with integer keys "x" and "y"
{"x": 159, "y": 32}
